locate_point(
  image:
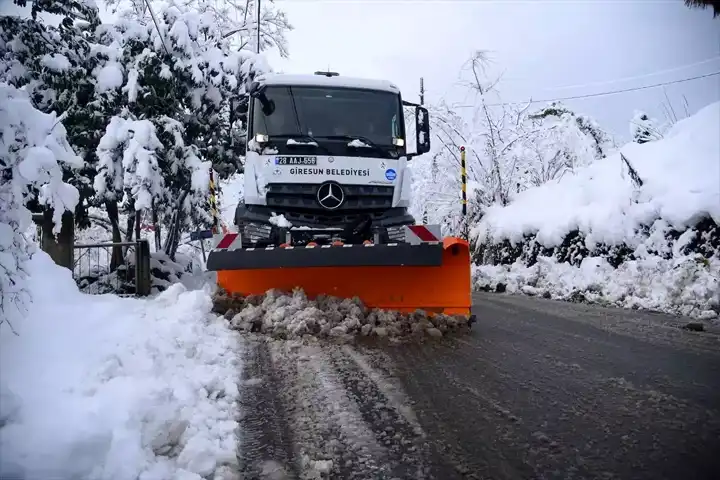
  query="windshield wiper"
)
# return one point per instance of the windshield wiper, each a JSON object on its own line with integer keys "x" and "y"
{"x": 299, "y": 136}
{"x": 360, "y": 138}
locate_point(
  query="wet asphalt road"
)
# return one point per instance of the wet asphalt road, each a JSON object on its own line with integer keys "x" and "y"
{"x": 539, "y": 390}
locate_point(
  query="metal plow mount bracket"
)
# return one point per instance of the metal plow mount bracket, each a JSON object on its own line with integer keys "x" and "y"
{"x": 425, "y": 249}
{"x": 422, "y": 255}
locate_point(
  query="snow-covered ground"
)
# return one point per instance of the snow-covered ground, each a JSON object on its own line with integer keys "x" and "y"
{"x": 108, "y": 388}
{"x": 101, "y": 387}
{"x": 671, "y": 266}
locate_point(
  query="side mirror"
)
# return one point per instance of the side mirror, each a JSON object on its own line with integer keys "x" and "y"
{"x": 268, "y": 106}
{"x": 422, "y": 130}
{"x": 238, "y": 109}
{"x": 257, "y": 90}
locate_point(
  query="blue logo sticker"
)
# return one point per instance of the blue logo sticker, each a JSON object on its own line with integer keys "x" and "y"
{"x": 390, "y": 174}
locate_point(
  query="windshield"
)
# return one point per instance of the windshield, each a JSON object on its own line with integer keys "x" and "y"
{"x": 329, "y": 113}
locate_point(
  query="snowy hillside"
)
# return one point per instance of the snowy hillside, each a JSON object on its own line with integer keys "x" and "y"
{"x": 605, "y": 235}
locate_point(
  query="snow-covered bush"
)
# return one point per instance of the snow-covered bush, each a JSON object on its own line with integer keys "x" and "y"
{"x": 31, "y": 145}
{"x": 644, "y": 129}
{"x": 666, "y": 217}
{"x": 556, "y": 141}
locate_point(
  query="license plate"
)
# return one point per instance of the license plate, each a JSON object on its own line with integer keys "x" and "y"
{"x": 295, "y": 160}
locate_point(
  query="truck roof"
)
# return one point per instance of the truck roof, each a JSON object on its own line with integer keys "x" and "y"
{"x": 325, "y": 81}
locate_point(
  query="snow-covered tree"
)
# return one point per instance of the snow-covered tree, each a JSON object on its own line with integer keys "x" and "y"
{"x": 644, "y": 129}
{"x": 31, "y": 144}
{"x": 177, "y": 80}
{"x": 51, "y": 63}
{"x": 557, "y": 141}
{"x": 488, "y": 132}
{"x": 158, "y": 93}
{"x": 507, "y": 151}
{"x": 235, "y": 20}
{"x": 129, "y": 164}
{"x": 715, "y": 4}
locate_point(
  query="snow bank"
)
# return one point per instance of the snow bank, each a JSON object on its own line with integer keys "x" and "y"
{"x": 653, "y": 244}
{"x": 288, "y": 316}
{"x": 108, "y": 388}
{"x": 682, "y": 286}
{"x": 680, "y": 185}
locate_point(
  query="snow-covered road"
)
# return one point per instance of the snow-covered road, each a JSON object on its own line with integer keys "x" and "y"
{"x": 540, "y": 389}
{"x": 312, "y": 410}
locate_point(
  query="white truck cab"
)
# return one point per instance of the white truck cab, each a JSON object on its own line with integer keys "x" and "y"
{"x": 327, "y": 152}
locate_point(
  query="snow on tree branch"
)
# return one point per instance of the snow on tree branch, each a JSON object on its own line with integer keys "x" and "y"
{"x": 128, "y": 162}
{"x": 31, "y": 145}
{"x": 231, "y": 22}
{"x": 85, "y": 10}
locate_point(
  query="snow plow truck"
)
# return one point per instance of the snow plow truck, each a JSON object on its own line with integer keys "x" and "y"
{"x": 326, "y": 197}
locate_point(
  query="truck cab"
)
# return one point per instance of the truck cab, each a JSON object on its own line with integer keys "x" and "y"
{"x": 328, "y": 153}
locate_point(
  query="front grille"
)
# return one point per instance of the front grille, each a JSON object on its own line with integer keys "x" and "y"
{"x": 302, "y": 197}
{"x": 317, "y": 217}
{"x": 255, "y": 232}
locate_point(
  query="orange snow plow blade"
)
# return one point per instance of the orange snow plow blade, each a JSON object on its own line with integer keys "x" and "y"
{"x": 434, "y": 278}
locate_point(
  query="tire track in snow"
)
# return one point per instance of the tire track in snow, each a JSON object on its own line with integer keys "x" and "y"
{"x": 386, "y": 412}
{"x": 390, "y": 389}
{"x": 322, "y": 411}
{"x": 265, "y": 439}
{"x": 314, "y": 435}
{"x": 331, "y": 436}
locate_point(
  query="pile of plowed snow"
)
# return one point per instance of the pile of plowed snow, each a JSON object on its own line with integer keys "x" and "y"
{"x": 285, "y": 315}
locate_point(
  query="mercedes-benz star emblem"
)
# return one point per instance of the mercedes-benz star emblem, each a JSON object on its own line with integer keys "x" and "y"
{"x": 330, "y": 196}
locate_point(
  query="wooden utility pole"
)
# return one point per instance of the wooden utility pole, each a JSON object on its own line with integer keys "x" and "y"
{"x": 422, "y": 91}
